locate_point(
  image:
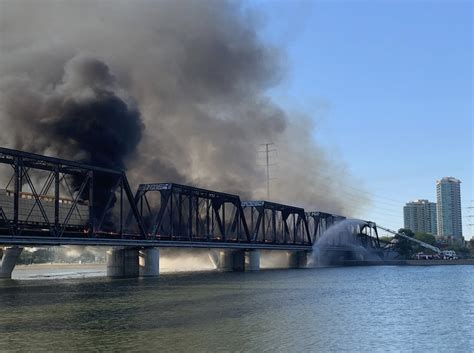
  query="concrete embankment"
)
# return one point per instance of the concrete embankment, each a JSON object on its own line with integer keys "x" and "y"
{"x": 439, "y": 262}
{"x": 408, "y": 262}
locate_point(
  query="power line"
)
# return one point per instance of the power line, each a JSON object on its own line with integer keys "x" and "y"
{"x": 375, "y": 211}
{"x": 371, "y": 193}
{"x": 471, "y": 215}
{"x": 358, "y": 197}
{"x": 357, "y": 202}
{"x": 390, "y": 204}
{"x": 386, "y": 200}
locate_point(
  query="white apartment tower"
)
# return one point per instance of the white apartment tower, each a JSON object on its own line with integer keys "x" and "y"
{"x": 420, "y": 216}
{"x": 448, "y": 194}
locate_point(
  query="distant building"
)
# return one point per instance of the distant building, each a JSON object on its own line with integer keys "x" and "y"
{"x": 420, "y": 216}
{"x": 448, "y": 210}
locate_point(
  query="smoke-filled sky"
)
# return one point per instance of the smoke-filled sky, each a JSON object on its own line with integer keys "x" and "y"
{"x": 170, "y": 91}
{"x": 397, "y": 78}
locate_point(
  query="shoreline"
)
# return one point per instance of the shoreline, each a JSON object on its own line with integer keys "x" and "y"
{"x": 409, "y": 262}
{"x": 60, "y": 266}
{"x": 45, "y": 266}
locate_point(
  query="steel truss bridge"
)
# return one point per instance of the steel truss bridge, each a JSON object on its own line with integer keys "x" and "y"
{"x": 47, "y": 201}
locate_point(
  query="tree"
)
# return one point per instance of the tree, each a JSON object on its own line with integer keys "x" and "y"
{"x": 405, "y": 247}
{"x": 385, "y": 239}
{"x": 43, "y": 255}
{"x": 426, "y": 238}
{"x": 406, "y": 231}
{"x": 461, "y": 251}
{"x": 36, "y": 257}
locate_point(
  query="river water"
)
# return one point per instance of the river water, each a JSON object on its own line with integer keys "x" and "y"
{"x": 369, "y": 309}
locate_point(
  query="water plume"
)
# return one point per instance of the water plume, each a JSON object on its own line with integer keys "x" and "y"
{"x": 343, "y": 234}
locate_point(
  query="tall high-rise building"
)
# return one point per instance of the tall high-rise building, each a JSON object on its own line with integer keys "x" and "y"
{"x": 420, "y": 216}
{"x": 448, "y": 193}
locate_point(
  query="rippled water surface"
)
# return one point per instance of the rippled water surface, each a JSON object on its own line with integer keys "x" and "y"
{"x": 333, "y": 309}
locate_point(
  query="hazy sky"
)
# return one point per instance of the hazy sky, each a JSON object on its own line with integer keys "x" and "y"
{"x": 390, "y": 85}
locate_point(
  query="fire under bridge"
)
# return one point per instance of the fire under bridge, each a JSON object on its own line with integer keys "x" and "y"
{"x": 47, "y": 201}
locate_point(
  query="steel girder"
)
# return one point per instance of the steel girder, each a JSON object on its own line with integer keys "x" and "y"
{"x": 53, "y": 197}
{"x": 319, "y": 222}
{"x": 369, "y": 235}
{"x": 178, "y": 212}
{"x": 366, "y": 233}
{"x": 275, "y": 223}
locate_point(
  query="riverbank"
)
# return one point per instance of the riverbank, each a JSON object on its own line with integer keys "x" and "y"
{"x": 439, "y": 262}
{"x": 408, "y": 262}
{"x": 75, "y": 270}
{"x": 55, "y": 265}
{"x": 58, "y": 270}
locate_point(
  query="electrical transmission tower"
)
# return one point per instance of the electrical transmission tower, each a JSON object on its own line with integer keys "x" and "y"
{"x": 471, "y": 218}
{"x": 267, "y": 149}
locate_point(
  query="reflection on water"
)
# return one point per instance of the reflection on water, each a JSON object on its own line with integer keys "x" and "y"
{"x": 331, "y": 309}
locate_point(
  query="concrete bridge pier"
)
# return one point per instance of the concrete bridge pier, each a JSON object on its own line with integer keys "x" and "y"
{"x": 122, "y": 263}
{"x": 8, "y": 258}
{"x": 149, "y": 261}
{"x": 298, "y": 259}
{"x": 252, "y": 260}
{"x": 238, "y": 260}
{"x": 231, "y": 260}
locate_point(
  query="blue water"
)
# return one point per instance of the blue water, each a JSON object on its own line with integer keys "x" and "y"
{"x": 357, "y": 309}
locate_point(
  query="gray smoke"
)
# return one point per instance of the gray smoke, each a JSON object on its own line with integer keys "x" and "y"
{"x": 172, "y": 91}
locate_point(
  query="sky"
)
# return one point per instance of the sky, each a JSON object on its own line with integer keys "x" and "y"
{"x": 389, "y": 85}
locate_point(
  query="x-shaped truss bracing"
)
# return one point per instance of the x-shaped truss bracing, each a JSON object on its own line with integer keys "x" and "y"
{"x": 179, "y": 212}
{"x": 275, "y": 223}
{"x": 53, "y": 197}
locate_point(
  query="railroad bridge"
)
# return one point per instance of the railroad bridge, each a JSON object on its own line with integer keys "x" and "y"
{"x": 47, "y": 201}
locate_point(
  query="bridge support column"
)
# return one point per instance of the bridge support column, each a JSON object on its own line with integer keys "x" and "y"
{"x": 231, "y": 260}
{"x": 149, "y": 260}
{"x": 8, "y": 258}
{"x": 252, "y": 260}
{"x": 298, "y": 259}
{"x": 122, "y": 262}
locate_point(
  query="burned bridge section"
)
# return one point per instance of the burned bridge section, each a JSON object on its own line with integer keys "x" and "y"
{"x": 49, "y": 197}
{"x": 369, "y": 235}
{"x": 319, "y": 222}
{"x": 184, "y": 213}
{"x": 275, "y": 223}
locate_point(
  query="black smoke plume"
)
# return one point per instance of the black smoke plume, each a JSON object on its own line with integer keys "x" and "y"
{"x": 81, "y": 117}
{"x": 187, "y": 101}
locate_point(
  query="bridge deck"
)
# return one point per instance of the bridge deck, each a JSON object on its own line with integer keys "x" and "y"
{"x": 55, "y": 241}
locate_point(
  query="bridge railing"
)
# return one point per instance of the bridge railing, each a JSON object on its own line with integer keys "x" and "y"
{"x": 44, "y": 196}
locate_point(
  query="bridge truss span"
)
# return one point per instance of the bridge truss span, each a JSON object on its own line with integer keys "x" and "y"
{"x": 50, "y": 197}
{"x": 319, "y": 222}
{"x": 45, "y": 200}
{"x": 276, "y": 223}
{"x": 185, "y": 213}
